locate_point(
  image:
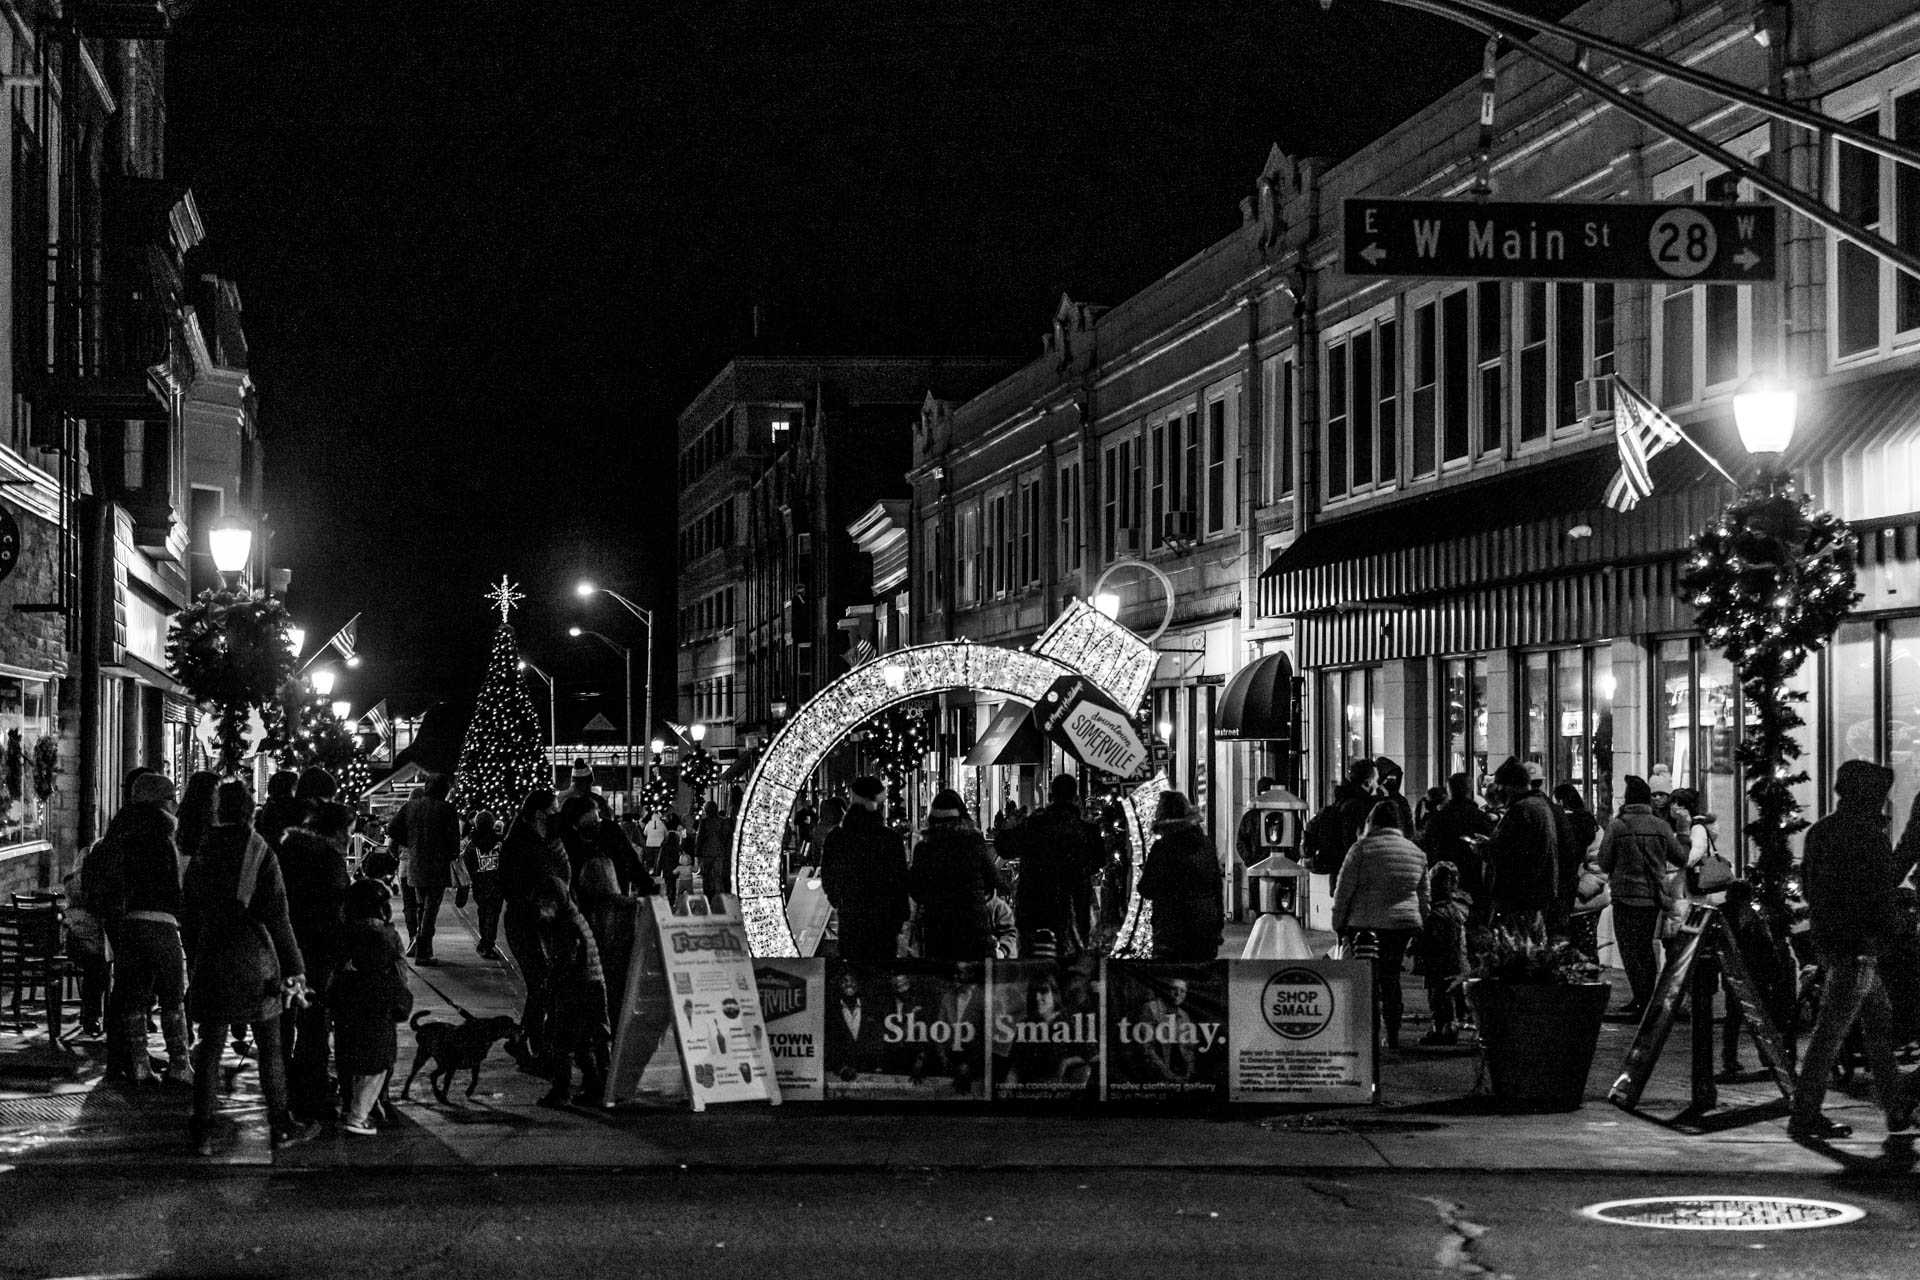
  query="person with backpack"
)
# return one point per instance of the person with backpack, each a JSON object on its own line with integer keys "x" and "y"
{"x": 137, "y": 892}
{"x": 1060, "y": 853}
{"x": 1336, "y": 828}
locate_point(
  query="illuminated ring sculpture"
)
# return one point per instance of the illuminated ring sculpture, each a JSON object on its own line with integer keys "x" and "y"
{"x": 836, "y": 711}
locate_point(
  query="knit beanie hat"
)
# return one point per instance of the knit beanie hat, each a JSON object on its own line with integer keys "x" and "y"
{"x": 1637, "y": 791}
{"x": 948, "y": 804}
{"x": 1660, "y": 781}
{"x": 581, "y": 769}
{"x": 1041, "y": 946}
{"x": 1511, "y": 773}
{"x": 867, "y": 788}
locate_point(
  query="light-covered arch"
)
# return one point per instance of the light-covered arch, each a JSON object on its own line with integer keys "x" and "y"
{"x": 836, "y": 711}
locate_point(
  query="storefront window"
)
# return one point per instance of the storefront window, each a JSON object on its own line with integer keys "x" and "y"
{"x": 1352, "y": 722}
{"x": 1717, "y": 736}
{"x": 1903, "y": 714}
{"x": 26, "y": 717}
{"x": 1568, "y": 699}
{"x": 1463, "y": 719}
{"x": 1852, "y": 664}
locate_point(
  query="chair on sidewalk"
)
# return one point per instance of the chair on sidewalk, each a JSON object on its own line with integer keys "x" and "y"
{"x": 33, "y": 959}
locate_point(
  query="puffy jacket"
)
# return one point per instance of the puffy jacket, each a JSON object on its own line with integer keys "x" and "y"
{"x": 1382, "y": 885}
{"x": 1524, "y": 856}
{"x": 863, "y": 868}
{"x": 367, "y": 997}
{"x": 1638, "y": 854}
{"x": 952, "y": 878}
{"x": 1847, "y": 871}
{"x": 1059, "y": 853}
{"x": 1181, "y": 879}
{"x": 241, "y": 944}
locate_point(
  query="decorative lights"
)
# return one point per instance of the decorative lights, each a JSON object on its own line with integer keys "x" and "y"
{"x": 502, "y": 758}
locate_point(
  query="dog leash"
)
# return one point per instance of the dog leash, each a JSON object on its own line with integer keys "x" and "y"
{"x": 434, "y": 987}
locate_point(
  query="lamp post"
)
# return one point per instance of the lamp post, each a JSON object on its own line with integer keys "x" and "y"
{"x": 230, "y": 541}
{"x": 586, "y": 590}
{"x": 553, "y": 712}
{"x": 321, "y": 680}
{"x": 626, "y": 654}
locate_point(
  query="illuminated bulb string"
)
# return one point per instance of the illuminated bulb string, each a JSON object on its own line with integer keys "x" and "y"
{"x": 503, "y": 757}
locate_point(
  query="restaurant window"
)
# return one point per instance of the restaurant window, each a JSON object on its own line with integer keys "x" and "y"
{"x": 1352, "y": 722}
{"x": 1566, "y": 700}
{"x": 26, "y": 719}
{"x": 1463, "y": 719}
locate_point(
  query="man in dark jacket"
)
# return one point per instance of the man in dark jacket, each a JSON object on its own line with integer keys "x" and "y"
{"x": 145, "y": 932}
{"x": 1336, "y": 827}
{"x": 425, "y": 836}
{"x": 1060, "y": 852}
{"x": 953, "y": 878}
{"x": 864, "y": 870}
{"x": 1637, "y": 855}
{"x": 1392, "y": 778}
{"x": 313, "y": 868}
{"x": 1524, "y": 854}
{"x": 1847, "y": 871}
{"x": 283, "y": 810}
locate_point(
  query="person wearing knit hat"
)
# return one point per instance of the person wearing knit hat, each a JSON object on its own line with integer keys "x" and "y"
{"x": 1059, "y": 854}
{"x": 1847, "y": 872}
{"x": 863, "y": 869}
{"x": 953, "y": 879}
{"x": 1660, "y": 782}
{"x": 1638, "y": 857}
{"x": 1524, "y": 852}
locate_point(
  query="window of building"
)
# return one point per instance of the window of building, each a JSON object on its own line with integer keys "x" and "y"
{"x": 1462, "y": 718}
{"x": 1031, "y": 527}
{"x": 1698, "y": 724}
{"x": 1362, "y": 395}
{"x": 1066, "y": 506}
{"x": 1875, "y": 306}
{"x": 1445, "y": 363}
{"x": 1000, "y": 543}
{"x": 26, "y": 718}
{"x": 1120, "y": 492}
{"x": 1279, "y": 409}
{"x": 1223, "y": 461}
{"x": 930, "y": 564}
{"x": 1352, "y": 721}
{"x": 1566, "y": 701}
{"x": 966, "y": 556}
{"x": 1703, "y": 333}
{"x": 1158, "y": 468}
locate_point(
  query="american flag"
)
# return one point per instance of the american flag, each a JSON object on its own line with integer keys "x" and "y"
{"x": 343, "y": 638}
{"x": 861, "y": 652}
{"x": 376, "y": 720}
{"x": 1641, "y": 430}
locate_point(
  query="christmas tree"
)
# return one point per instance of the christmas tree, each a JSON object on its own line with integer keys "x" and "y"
{"x": 502, "y": 758}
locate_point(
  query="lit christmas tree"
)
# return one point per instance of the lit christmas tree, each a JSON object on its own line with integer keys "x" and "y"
{"x": 502, "y": 758}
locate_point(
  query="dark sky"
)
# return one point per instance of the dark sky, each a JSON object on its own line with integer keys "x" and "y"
{"x": 489, "y": 250}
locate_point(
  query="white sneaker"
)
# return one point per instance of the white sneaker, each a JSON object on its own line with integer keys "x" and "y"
{"x": 359, "y": 1128}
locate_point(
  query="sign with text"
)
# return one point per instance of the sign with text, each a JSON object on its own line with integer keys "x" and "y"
{"x": 1559, "y": 240}
{"x": 645, "y": 1063}
{"x": 1086, "y": 722}
{"x": 1301, "y": 1031}
{"x": 793, "y": 998}
{"x": 1166, "y": 1028}
{"x": 912, "y": 1030}
{"x": 716, "y": 1009}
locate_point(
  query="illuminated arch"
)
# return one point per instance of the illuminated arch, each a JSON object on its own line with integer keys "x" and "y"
{"x": 902, "y": 676}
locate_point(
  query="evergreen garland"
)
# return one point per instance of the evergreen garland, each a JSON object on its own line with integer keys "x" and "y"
{"x": 504, "y": 756}
{"x": 230, "y": 650}
{"x": 1771, "y": 581}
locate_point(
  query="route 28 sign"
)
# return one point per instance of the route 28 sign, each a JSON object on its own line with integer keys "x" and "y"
{"x": 1558, "y": 240}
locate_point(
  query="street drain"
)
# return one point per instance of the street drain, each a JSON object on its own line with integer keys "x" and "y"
{"x": 1724, "y": 1213}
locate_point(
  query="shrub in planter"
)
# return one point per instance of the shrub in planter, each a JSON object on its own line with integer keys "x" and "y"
{"x": 1539, "y": 1005}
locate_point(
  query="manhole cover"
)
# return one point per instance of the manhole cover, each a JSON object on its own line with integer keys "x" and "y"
{"x": 1724, "y": 1213}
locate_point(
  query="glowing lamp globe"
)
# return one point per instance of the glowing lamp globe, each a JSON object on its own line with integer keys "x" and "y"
{"x": 231, "y": 542}
{"x": 1108, "y": 603}
{"x": 657, "y": 746}
{"x": 296, "y": 639}
{"x": 322, "y": 678}
{"x": 1765, "y": 415}
{"x": 584, "y": 590}
{"x": 573, "y": 631}
{"x": 341, "y": 710}
{"x": 698, "y": 733}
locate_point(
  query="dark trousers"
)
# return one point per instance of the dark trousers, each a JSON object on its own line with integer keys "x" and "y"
{"x": 489, "y": 909}
{"x": 1387, "y": 996}
{"x": 148, "y": 964}
{"x": 303, "y": 1038}
{"x": 421, "y": 905}
{"x": 1634, "y": 927}
{"x": 1852, "y": 993}
{"x": 206, "y": 1068}
{"x": 94, "y": 971}
{"x": 530, "y": 953}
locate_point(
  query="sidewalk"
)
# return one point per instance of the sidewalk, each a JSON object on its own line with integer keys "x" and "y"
{"x": 54, "y": 1112}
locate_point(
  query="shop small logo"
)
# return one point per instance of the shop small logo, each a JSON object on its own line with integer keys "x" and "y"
{"x": 1297, "y": 1004}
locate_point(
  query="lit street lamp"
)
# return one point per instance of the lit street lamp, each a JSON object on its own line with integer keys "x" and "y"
{"x": 230, "y": 541}
{"x": 1765, "y": 414}
{"x": 322, "y": 680}
{"x": 698, "y": 732}
{"x": 586, "y": 591}
{"x": 626, "y": 653}
{"x": 341, "y": 710}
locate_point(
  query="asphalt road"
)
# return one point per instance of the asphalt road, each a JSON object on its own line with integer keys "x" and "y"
{"x": 909, "y": 1225}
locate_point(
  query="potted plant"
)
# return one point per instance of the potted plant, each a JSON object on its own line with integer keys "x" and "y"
{"x": 1539, "y": 1005}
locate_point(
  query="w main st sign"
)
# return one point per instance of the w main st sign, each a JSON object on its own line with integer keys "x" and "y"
{"x": 1486, "y": 240}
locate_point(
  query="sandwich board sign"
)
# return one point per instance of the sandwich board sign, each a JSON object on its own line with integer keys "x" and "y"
{"x": 704, "y": 978}
{"x": 1087, "y": 723}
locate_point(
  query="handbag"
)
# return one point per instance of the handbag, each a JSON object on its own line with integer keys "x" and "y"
{"x": 1712, "y": 873}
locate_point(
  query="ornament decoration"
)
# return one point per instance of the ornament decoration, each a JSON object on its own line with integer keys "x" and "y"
{"x": 699, "y": 771}
{"x": 897, "y": 742}
{"x": 505, "y": 596}
{"x": 1771, "y": 582}
{"x": 229, "y": 650}
{"x": 658, "y": 793}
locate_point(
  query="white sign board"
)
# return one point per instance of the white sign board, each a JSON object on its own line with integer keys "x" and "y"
{"x": 793, "y": 1004}
{"x": 1300, "y": 1031}
{"x": 1085, "y": 722}
{"x": 716, "y": 1007}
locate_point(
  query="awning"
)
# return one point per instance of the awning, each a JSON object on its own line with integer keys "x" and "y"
{"x": 1257, "y": 704}
{"x": 741, "y": 766}
{"x": 1012, "y": 738}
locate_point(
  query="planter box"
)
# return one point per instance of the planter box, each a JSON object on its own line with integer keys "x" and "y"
{"x": 1538, "y": 1041}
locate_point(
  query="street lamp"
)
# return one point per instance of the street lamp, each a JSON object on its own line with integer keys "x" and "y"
{"x": 1765, "y": 412}
{"x": 322, "y": 679}
{"x": 698, "y": 732}
{"x": 230, "y": 541}
{"x": 553, "y": 712}
{"x": 586, "y": 590}
{"x": 657, "y": 746}
{"x": 296, "y": 640}
{"x": 627, "y": 654}
{"x": 342, "y": 709}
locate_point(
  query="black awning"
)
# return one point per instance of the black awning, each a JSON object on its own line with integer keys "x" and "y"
{"x": 1257, "y": 704}
{"x": 1012, "y": 738}
{"x": 741, "y": 766}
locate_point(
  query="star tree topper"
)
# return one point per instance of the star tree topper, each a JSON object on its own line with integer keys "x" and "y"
{"x": 505, "y": 596}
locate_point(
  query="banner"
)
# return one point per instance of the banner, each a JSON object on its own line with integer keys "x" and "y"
{"x": 911, "y": 1030}
{"x": 1044, "y": 1028}
{"x": 716, "y": 1009}
{"x": 793, "y": 999}
{"x": 1166, "y": 1028}
{"x": 1301, "y": 1031}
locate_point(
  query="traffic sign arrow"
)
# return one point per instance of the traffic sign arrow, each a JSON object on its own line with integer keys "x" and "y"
{"x": 1746, "y": 259}
{"x": 1373, "y": 253}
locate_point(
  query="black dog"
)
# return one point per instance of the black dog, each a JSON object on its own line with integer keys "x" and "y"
{"x": 454, "y": 1048}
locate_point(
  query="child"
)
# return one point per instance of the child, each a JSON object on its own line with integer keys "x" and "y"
{"x": 576, "y": 1002}
{"x": 367, "y": 998}
{"x": 1443, "y": 953}
{"x": 686, "y": 880}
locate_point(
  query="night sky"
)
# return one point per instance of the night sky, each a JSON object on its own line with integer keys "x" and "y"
{"x": 488, "y": 251}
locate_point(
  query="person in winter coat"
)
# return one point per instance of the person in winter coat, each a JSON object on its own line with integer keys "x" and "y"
{"x": 281, "y": 812}
{"x": 1060, "y": 852}
{"x": 714, "y": 850}
{"x": 1335, "y": 828}
{"x": 612, "y": 840}
{"x": 1638, "y": 855}
{"x": 425, "y": 835}
{"x": 608, "y": 911}
{"x": 1383, "y": 889}
{"x": 952, "y": 879}
{"x": 531, "y": 855}
{"x": 481, "y": 853}
{"x": 313, "y": 867}
{"x": 195, "y": 814}
{"x": 576, "y": 1001}
{"x": 142, "y": 908}
{"x": 579, "y": 830}
{"x": 1524, "y": 854}
{"x": 247, "y": 965}
{"x": 1443, "y": 953}
{"x": 863, "y": 869}
{"x": 1458, "y": 832}
{"x": 1847, "y": 872}
{"x": 1181, "y": 878}
{"x": 1392, "y": 778}
{"x": 1581, "y": 828}
{"x": 368, "y": 996}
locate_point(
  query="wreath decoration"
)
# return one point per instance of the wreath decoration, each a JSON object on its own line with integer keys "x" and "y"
{"x": 1771, "y": 582}
{"x": 229, "y": 649}
{"x": 700, "y": 770}
{"x": 658, "y": 793}
{"x": 46, "y": 766}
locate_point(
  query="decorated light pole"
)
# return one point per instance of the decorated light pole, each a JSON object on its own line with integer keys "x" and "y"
{"x": 231, "y": 651}
{"x": 1771, "y": 580}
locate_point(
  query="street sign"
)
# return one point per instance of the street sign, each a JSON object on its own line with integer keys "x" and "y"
{"x": 1559, "y": 240}
{"x": 1087, "y": 723}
